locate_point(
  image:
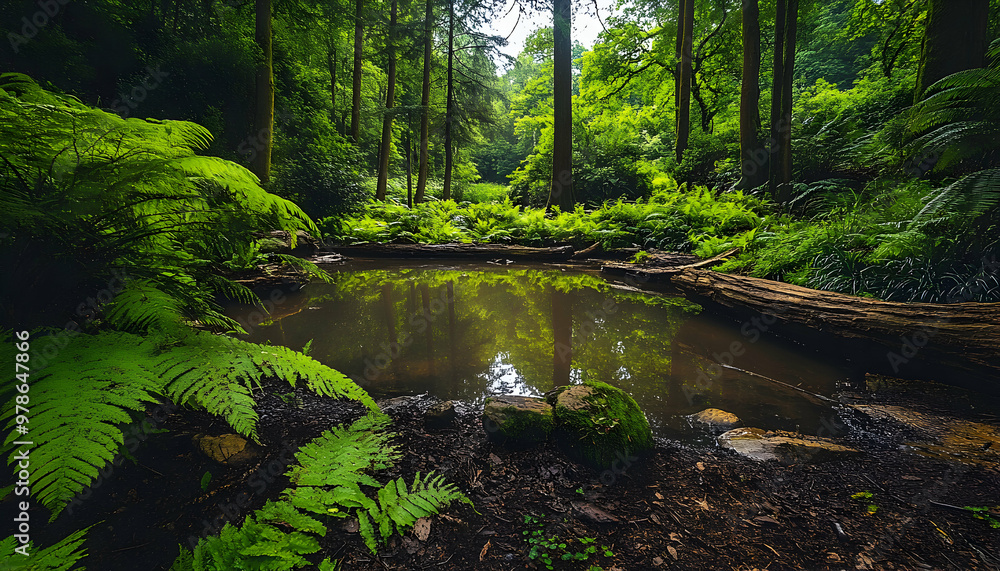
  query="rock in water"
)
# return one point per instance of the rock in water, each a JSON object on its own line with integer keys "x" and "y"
{"x": 441, "y": 415}
{"x": 516, "y": 420}
{"x": 785, "y": 447}
{"x": 716, "y": 419}
{"x": 600, "y": 424}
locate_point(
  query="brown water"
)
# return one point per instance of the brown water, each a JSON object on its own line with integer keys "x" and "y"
{"x": 472, "y": 330}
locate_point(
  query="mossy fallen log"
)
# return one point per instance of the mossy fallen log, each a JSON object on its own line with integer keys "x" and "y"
{"x": 964, "y": 335}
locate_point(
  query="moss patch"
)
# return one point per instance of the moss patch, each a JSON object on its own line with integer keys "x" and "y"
{"x": 598, "y": 423}
{"x": 517, "y": 420}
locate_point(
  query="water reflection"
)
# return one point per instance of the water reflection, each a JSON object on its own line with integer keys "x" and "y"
{"x": 479, "y": 330}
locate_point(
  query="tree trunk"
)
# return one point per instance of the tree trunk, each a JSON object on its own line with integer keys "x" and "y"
{"x": 390, "y": 101}
{"x": 425, "y": 104}
{"x": 684, "y": 99}
{"x": 449, "y": 114}
{"x": 788, "y": 72}
{"x": 753, "y": 159}
{"x": 954, "y": 40}
{"x": 331, "y": 62}
{"x": 561, "y": 190}
{"x": 679, "y": 57}
{"x": 264, "y": 107}
{"x": 773, "y": 143}
{"x": 409, "y": 166}
{"x": 359, "y": 38}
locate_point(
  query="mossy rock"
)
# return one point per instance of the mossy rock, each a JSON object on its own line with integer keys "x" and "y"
{"x": 598, "y": 424}
{"x": 517, "y": 421}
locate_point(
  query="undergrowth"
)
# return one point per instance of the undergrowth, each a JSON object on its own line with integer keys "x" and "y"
{"x": 328, "y": 484}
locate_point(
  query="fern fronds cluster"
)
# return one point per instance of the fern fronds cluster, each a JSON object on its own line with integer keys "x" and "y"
{"x": 96, "y": 383}
{"x": 326, "y": 485}
{"x": 59, "y": 557}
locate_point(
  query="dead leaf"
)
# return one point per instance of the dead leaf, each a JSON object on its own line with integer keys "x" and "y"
{"x": 703, "y": 504}
{"x": 700, "y": 466}
{"x": 766, "y": 519}
{"x": 675, "y": 537}
{"x": 422, "y": 528}
{"x": 482, "y": 553}
{"x": 659, "y": 496}
{"x": 673, "y": 552}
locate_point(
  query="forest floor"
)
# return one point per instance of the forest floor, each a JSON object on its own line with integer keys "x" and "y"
{"x": 682, "y": 507}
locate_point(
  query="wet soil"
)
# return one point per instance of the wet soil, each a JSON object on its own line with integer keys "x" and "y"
{"x": 682, "y": 507}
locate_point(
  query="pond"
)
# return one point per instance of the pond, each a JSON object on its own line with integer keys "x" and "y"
{"x": 473, "y": 330}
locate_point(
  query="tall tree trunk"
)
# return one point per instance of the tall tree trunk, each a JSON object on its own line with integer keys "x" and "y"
{"x": 753, "y": 158}
{"x": 774, "y": 143}
{"x": 679, "y": 57}
{"x": 561, "y": 190}
{"x": 954, "y": 40}
{"x": 788, "y": 72}
{"x": 390, "y": 101}
{"x": 409, "y": 165}
{"x": 264, "y": 107}
{"x": 425, "y": 104}
{"x": 686, "y": 77}
{"x": 449, "y": 114}
{"x": 359, "y": 38}
{"x": 331, "y": 62}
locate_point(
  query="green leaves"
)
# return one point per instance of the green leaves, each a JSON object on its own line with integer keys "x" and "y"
{"x": 59, "y": 557}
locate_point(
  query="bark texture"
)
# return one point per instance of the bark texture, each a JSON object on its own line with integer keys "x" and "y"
{"x": 753, "y": 158}
{"x": 954, "y": 40}
{"x": 425, "y": 104}
{"x": 390, "y": 101}
{"x": 260, "y": 164}
{"x": 561, "y": 190}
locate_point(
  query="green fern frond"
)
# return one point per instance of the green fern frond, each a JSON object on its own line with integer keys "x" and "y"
{"x": 78, "y": 403}
{"x": 305, "y": 266}
{"x": 970, "y": 196}
{"x": 253, "y": 545}
{"x": 59, "y": 557}
{"x": 344, "y": 456}
{"x": 142, "y": 308}
{"x": 403, "y": 508}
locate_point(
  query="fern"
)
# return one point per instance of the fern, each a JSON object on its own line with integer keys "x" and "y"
{"x": 112, "y": 374}
{"x": 78, "y": 403}
{"x": 59, "y": 557}
{"x": 326, "y": 483}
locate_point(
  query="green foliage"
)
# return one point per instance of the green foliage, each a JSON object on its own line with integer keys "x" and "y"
{"x": 550, "y": 550}
{"x": 85, "y": 192}
{"x": 987, "y": 514}
{"x": 865, "y": 497}
{"x": 59, "y": 557}
{"x": 116, "y": 373}
{"x": 326, "y": 484}
{"x": 671, "y": 220}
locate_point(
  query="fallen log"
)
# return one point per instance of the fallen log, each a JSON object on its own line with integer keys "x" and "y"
{"x": 963, "y": 335}
{"x": 454, "y": 250}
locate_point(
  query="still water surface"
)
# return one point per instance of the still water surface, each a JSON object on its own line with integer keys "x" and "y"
{"x": 473, "y": 330}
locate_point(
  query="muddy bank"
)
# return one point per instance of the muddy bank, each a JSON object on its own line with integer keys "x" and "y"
{"x": 682, "y": 507}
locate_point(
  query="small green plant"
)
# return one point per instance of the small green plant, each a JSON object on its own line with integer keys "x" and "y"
{"x": 579, "y": 490}
{"x": 205, "y": 479}
{"x": 550, "y": 549}
{"x": 866, "y": 496}
{"x": 990, "y": 515}
{"x": 640, "y": 257}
